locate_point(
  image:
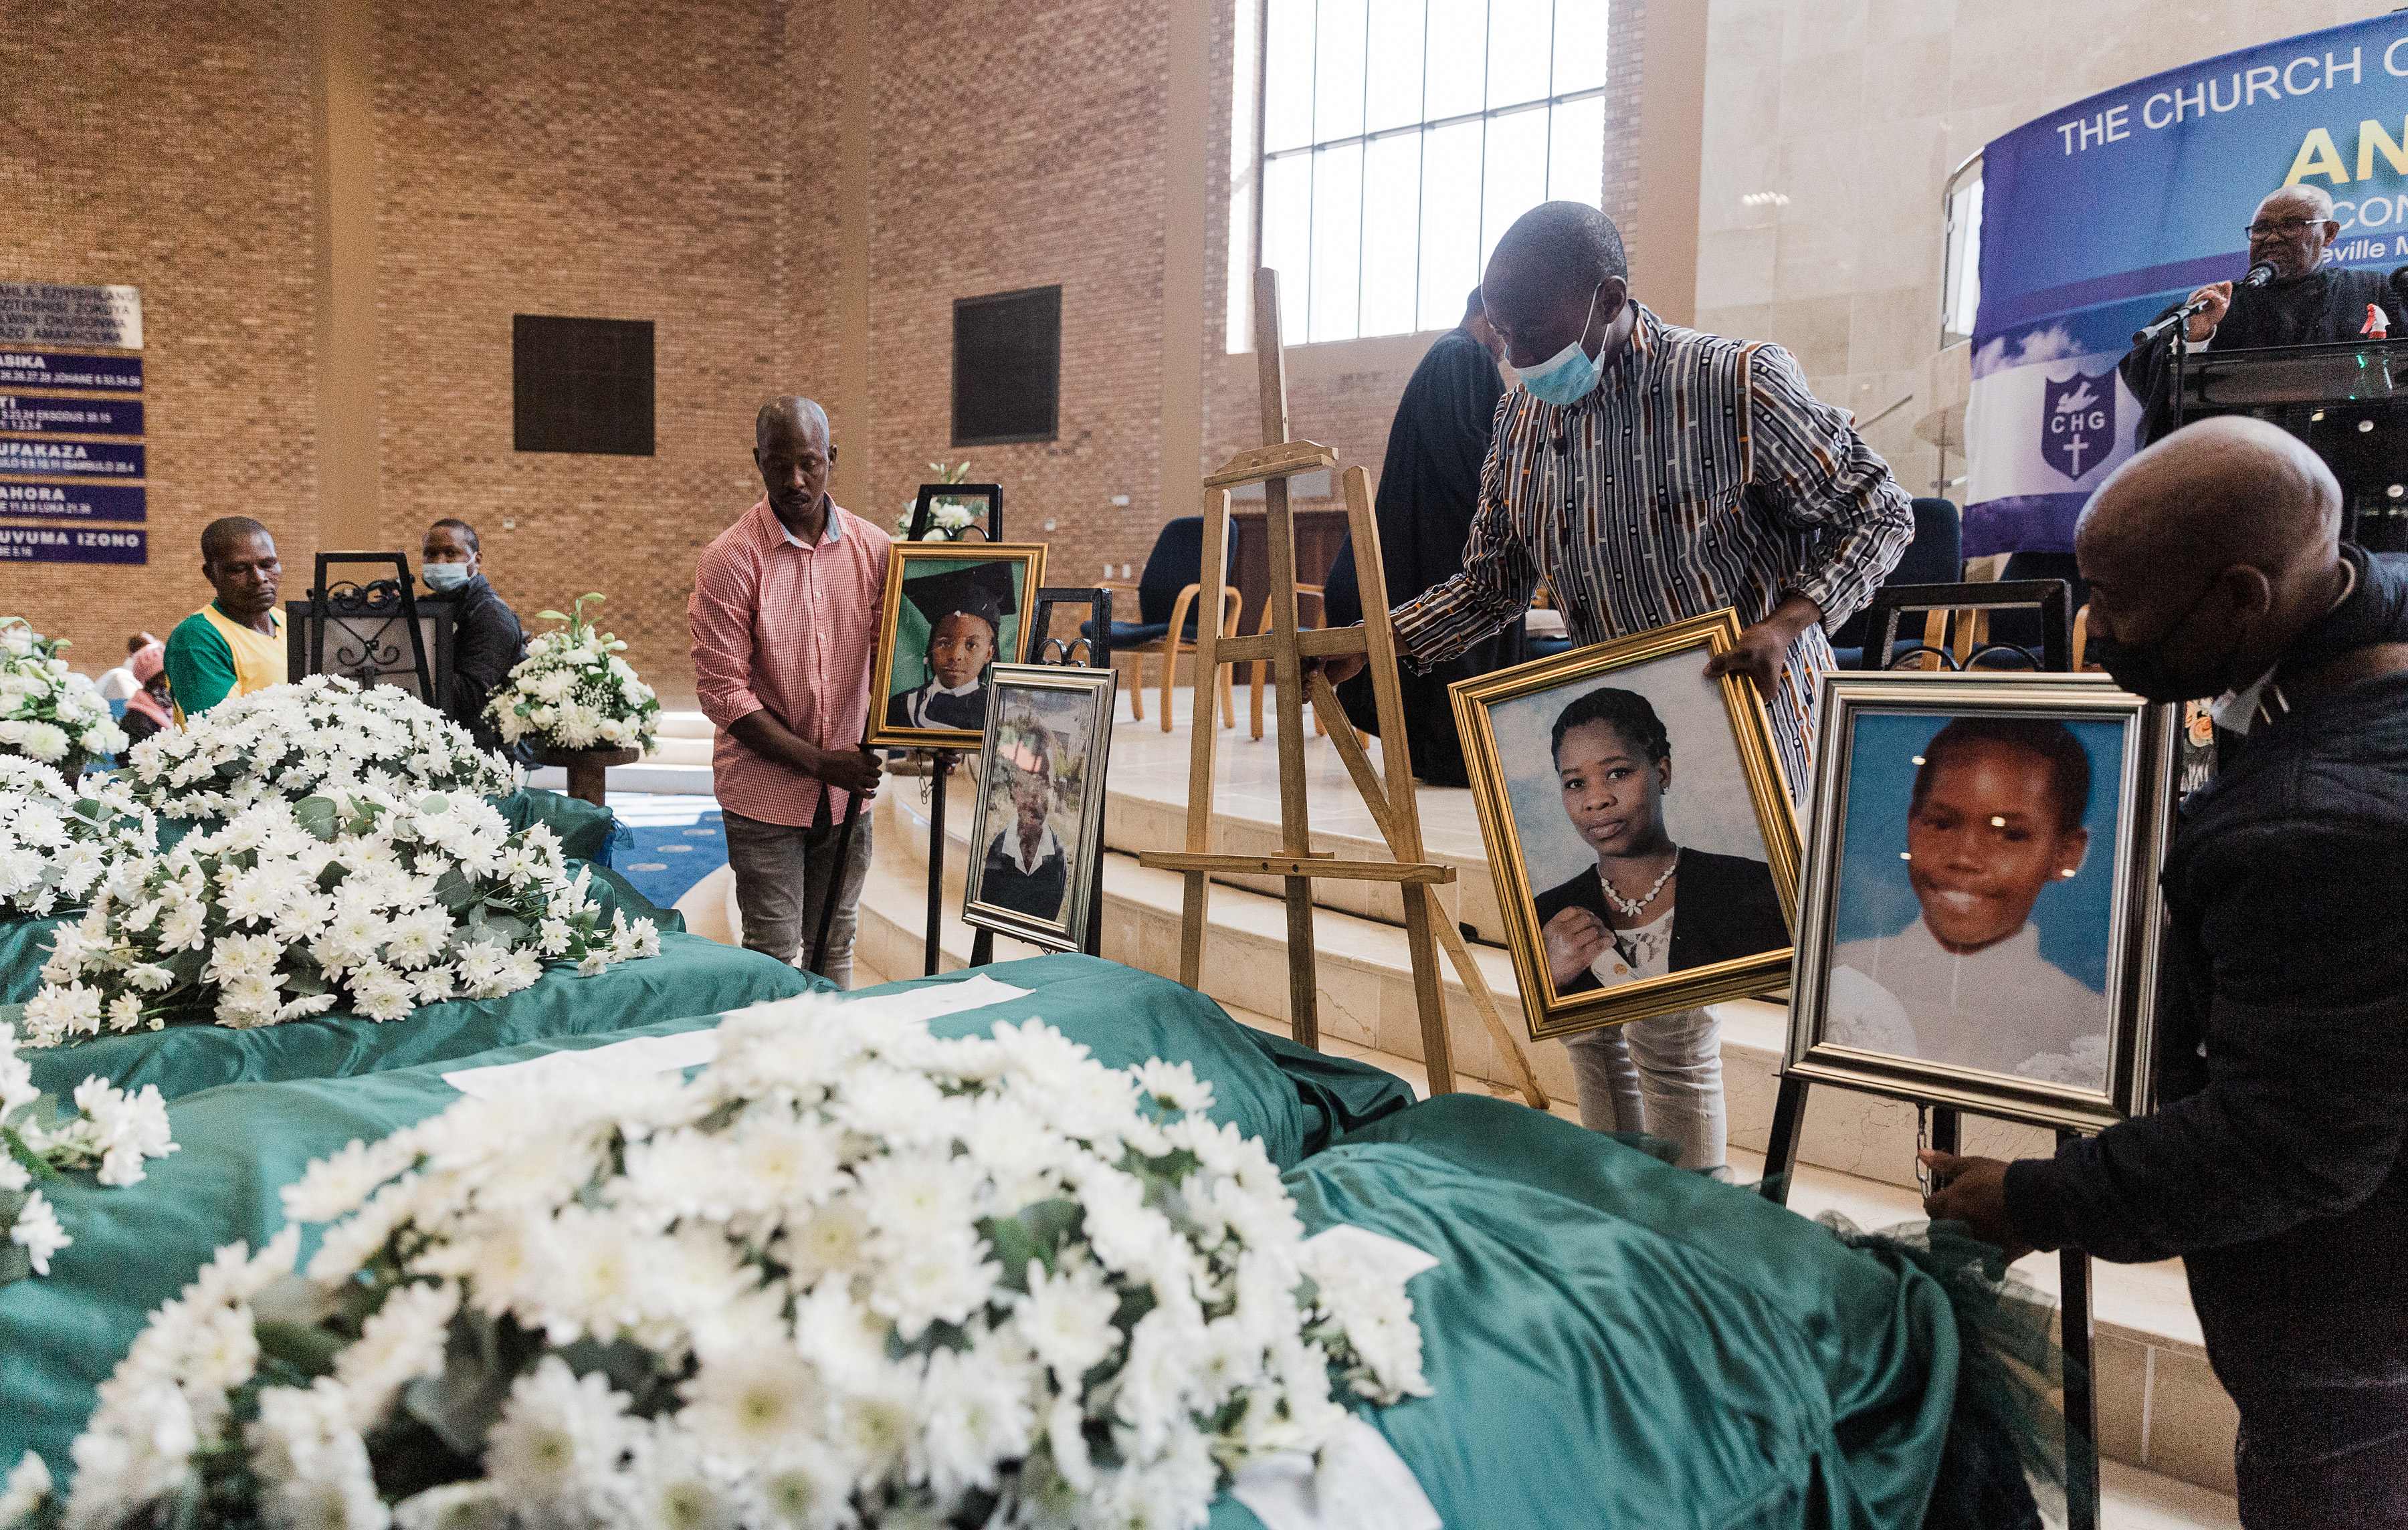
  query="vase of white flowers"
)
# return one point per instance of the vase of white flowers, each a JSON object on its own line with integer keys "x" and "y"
{"x": 574, "y": 703}
{"x": 288, "y": 741}
{"x": 355, "y": 898}
{"x": 58, "y": 841}
{"x": 949, "y": 515}
{"x": 47, "y": 712}
{"x": 848, "y": 1274}
{"x": 112, "y": 1131}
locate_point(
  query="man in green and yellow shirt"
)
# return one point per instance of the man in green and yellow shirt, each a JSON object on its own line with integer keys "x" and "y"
{"x": 234, "y": 644}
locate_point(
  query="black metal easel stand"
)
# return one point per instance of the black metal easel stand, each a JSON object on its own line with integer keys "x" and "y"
{"x": 940, "y": 766}
{"x": 2073, "y": 1300}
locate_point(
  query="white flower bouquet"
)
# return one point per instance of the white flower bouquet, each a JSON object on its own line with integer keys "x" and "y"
{"x": 573, "y": 691}
{"x": 947, "y": 516}
{"x": 846, "y": 1276}
{"x": 49, "y": 712}
{"x": 58, "y": 841}
{"x": 355, "y": 898}
{"x": 290, "y": 740}
{"x": 110, "y": 1128}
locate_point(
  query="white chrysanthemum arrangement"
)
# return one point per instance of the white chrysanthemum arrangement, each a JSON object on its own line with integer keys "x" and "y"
{"x": 355, "y": 898}
{"x": 849, "y": 1275}
{"x": 288, "y": 741}
{"x": 573, "y": 691}
{"x": 110, "y": 1129}
{"x": 949, "y": 515}
{"x": 49, "y": 712}
{"x": 58, "y": 841}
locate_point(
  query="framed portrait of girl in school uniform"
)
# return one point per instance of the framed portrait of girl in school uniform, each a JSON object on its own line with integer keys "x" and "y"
{"x": 951, "y": 609}
{"x": 1981, "y": 915}
{"x": 1643, "y": 843}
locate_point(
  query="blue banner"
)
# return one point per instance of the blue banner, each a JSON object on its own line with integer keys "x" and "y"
{"x": 74, "y": 501}
{"x": 22, "y": 368}
{"x": 72, "y": 545}
{"x": 94, "y": 459}
{"x": 71, "y": 416}
{"x": 2097, "y": 217}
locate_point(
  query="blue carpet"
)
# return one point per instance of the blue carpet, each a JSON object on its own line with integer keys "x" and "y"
{"x": 667, "y": 859}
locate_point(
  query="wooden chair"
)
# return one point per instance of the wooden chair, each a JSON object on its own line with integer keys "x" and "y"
{"x": 1317, "y": 594}
{"x": 1166, "y": 612}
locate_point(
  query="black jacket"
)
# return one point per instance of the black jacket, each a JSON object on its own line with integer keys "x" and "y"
{"x": 2328, "y": 303}
{"x": 1725, "y": 908}
{"x": 487, "y": 643}
{"x": 1429, "y": 491}
{"x": 2273, "y": 1162}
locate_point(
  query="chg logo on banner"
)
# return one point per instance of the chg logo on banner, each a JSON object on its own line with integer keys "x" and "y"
{"x": 2078, "y": 422}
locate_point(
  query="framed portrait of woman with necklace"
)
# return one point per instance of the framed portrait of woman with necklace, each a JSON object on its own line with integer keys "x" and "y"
{"x": 1641, "y": 840}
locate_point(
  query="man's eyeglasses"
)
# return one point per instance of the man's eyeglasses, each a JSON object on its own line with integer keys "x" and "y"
{"x": 2289, "y": 228}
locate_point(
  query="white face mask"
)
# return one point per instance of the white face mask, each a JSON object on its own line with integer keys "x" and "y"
{"x": 1570, "y": 374}
{"x": 440, "y": 577}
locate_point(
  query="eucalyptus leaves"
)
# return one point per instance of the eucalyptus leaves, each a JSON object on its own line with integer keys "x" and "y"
{"x": 357, "y": 898}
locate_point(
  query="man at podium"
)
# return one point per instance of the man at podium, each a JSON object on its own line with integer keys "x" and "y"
{"x": 2304, "y": 302}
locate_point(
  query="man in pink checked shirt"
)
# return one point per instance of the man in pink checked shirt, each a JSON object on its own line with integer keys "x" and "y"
{"x": 783, "y": 613}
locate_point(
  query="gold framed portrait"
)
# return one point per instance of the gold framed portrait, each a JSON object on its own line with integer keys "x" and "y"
{"x": 950, "y": 610}
{"x": 1642, "y": 838}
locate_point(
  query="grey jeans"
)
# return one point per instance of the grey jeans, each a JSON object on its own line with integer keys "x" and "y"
{"x": 1663, "y": 1076}
{"x": 782, "y": 875}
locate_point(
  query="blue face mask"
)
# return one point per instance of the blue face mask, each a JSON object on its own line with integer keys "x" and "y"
{"x": 1570, "y": 374}
{"x": 441, "y": 577}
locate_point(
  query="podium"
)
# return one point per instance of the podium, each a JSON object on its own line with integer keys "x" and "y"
{"x": 2347, "y": 401}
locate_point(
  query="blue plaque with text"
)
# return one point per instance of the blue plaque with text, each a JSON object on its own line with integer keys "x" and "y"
{"x": 81, "y": 459}
{"x": 70, "y": 415}
{"x": 74, "y": 501}
{"x": 21, "y": 368}
{"x": 72, "y": 545}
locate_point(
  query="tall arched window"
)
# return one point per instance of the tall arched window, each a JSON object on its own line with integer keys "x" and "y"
{"x": 1401, "y": 137}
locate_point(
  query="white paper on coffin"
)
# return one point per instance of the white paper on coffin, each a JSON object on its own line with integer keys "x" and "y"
{"x": 1362, "y": 1482}
{"x": 644, "y": 1055}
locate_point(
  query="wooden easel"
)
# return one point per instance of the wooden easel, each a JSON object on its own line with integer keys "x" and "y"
{"x": 1286, "y": 646}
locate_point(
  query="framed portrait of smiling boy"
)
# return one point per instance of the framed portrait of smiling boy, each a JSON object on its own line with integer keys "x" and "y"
{"x": 1643, "y": 848}
{"x": 1040, "y": 823}
{"x": 952, "y": 609}
{"x": 1981, "y": 916}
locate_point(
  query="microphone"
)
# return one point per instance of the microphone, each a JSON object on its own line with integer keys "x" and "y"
{"x": 2258, "y": 276}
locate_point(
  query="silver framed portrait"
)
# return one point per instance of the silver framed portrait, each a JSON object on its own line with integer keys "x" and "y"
{"x": 1980, "y": 914}
{"x": 1039, "y": 821}
{"x": 1641, "y": 840}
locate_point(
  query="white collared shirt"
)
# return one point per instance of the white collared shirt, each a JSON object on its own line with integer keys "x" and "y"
{"x": 2005, "y": 1007}
{"x": 1009, "y": 842}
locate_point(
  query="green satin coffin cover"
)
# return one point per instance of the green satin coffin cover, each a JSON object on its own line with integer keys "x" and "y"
{"x": 61, "y": 1334}
{"x": 1615, "y": 1342}
{"x": 585, "y": 829}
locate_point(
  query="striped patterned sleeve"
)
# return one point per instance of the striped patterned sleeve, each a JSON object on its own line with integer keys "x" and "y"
{"x": 1815, "y": 473}
{"x": 1498, "y": 572}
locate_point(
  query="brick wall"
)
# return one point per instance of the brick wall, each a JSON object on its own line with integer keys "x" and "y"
{"x": 1013, "y": 148}
{"x": 596, "y": 158}
{"x": 170, "y": 147}
{"x": 623, "y": 159}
